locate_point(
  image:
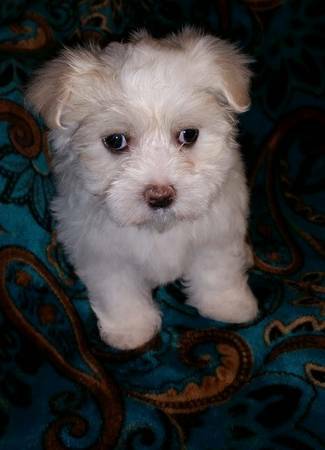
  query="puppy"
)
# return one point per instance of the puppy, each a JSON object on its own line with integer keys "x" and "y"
{"x": 150, "y": 183}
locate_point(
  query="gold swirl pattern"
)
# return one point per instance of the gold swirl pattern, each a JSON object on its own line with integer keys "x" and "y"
{"x": 296, "y": 343}
{"x": 280, "y": 328}
{"x": 311, "y": 285}
{"x": 98, "y": 382}
{"x": 42, "y": 38}
{"x": 190, "y": 380}
{"x": 316, "y": 374}
{"x": 229, "y": 376}
{"x": 24, "y": 132}
{"x": 277, "y": 330}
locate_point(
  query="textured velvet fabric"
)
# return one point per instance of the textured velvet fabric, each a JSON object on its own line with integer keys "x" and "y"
{"x": 200, "y": 385}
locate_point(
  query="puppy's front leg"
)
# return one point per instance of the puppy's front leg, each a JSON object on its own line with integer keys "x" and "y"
{"x": 218, "y": 284}
{"x": 127, "y": 315}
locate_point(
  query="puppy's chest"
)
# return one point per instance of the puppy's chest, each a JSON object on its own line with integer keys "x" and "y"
{"x": 162, "y": 259}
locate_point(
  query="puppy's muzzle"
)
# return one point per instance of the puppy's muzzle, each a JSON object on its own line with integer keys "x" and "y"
{"x": 159, "y": 196}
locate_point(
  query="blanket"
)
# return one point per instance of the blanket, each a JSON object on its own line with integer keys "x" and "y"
{"x": 200, "y": 384}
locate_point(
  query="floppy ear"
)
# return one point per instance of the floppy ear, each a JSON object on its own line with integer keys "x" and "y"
{"x": 56, "y": 86}
{"x": 235, "y": 74}
{"x": 228, "y": 71}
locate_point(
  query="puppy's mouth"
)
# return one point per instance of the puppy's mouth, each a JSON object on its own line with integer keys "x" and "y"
{"x": 162, "y": 219}
{"x": 141, "y": 215}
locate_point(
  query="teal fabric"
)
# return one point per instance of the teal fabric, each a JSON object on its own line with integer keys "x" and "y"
{"x": 200, "y": 385}
{"x": 11, "y": 10}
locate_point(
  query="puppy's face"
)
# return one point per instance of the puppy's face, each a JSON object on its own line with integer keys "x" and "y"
{"x": 148, "y": 125}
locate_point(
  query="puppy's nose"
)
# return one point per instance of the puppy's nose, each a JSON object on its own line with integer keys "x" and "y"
{"x": 159, "y": 196}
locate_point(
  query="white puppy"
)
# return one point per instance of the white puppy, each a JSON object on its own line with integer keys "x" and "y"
{"x": 150, "y": 182}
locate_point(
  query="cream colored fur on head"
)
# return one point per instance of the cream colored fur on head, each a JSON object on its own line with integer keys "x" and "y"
{"x": 147, "y": 92}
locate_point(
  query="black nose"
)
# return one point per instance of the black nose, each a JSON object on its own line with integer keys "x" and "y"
{"x": 159, "y": 196}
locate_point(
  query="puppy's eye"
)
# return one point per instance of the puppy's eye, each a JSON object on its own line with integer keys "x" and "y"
{"x": 115, "y": 142}
{"x": 188, "y": 136}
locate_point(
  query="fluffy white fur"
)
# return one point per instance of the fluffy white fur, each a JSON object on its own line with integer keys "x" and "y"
{"x": 121, "y": 248}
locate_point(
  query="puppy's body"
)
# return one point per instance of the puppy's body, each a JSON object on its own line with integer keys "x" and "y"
{"x": 120, "y": 243}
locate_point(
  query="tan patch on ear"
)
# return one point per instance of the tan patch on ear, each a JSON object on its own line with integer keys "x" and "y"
{"x": 236, "y": 79}
{"x": 227, "y": 66}
{"x": 48, "y": 92}
{"x": 61, "y": 80}
{"x": 240, "y": 97}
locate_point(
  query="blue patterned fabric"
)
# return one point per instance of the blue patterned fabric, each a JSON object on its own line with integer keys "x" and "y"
{"x": 200, "y": 385}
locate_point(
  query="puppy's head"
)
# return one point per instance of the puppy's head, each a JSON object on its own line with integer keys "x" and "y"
{"x": 147, "y": 126}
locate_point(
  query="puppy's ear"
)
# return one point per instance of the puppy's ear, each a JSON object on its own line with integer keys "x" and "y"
{"x": 235, "y": 74}
{"x": 56, "y": 86}
{"x": 228, "y": 69}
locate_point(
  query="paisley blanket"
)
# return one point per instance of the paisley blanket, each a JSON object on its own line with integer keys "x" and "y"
{"x": 200, "y": 385}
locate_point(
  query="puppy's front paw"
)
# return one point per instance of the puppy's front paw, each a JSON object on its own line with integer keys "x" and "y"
{"x": 130, "y": 333}
{"x": 234, "y": 305}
